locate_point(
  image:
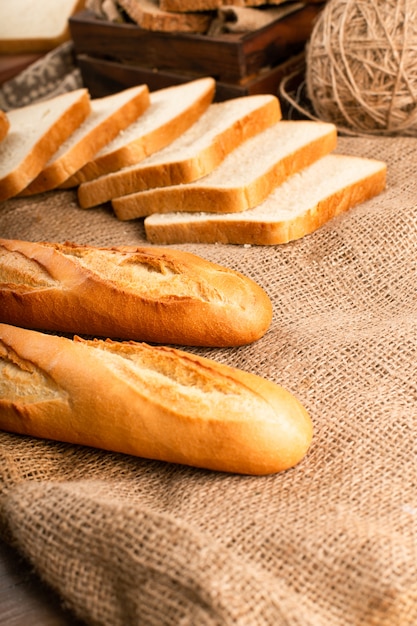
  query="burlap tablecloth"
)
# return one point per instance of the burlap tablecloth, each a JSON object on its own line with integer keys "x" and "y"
{"x": 332, "y": 542}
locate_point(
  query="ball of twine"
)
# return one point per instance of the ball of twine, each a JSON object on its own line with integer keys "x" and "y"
{"x": 361, "y": 66}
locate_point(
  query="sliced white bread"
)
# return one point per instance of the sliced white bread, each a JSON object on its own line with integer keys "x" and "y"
{"x": 36, "y": 133}
{"x": 298, "y": 207}
{"x": 33, "y": 26}
{"x": 171, "y": 112}
{"x": 148, "y": 15}
{"x": 245, "y": 177}
{"x": 4, "y": 125}
{"x": 197, "y": 152}
{"x": 108, "y": 116}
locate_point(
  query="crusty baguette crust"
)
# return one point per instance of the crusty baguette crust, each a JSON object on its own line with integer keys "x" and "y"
{"x": 4, "y": 125}
{"x": 30, "y": 165}
{"x": 146, "y": 294}
{"x": 154, "y": 402}
{"x": 147, "y": 142}
{"x": 248, "y": 228}
{"x": 82, "y": 150}
{"x": 256, "y": 114}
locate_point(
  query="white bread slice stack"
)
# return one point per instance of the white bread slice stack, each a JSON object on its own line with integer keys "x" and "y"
{"x": 171, "y": 112}
{"x": 198, "y": 151}
{"x": 299, "y": 206}
{"x": 147, "y": 294}
{"x": 36, "y": 132}
{"x": 245, "y": 177}
{"x": 108, "y": 116}
{"x": 4, "y": 124}
{"x": 29, "y": 26}
{"x": 154, "y": 402}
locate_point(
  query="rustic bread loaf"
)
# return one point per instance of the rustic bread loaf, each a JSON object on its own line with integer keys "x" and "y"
{"x": 4, "y": 124}
{"x": 294, "y": 209}
{"x": 171, "y": 112}
{"x": 154, "y": 402}
{"x": 147, "y": 294}
{"x": 244, "y": 179}
{"x": 36, "y": 133}
{"x": 26, "y": 26}
{"x": 148, "y": 15}
{"x": 109, "y": 116}
{"x": 222, "y": 128}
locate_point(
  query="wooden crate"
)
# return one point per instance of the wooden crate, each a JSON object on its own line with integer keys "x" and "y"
{"x": 114, "y": 56}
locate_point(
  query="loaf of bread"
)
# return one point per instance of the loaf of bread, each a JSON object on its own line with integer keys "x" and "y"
{"x": 108, "y": 117}
{"x": 154, "y": 402}
{"x": 203, "y": 147}
{"x": 302, "y": 204}
{"x": 147, "y": 294}
{"x": 244, "y": 179}
{"x": 4, "y": 124}
{"x": 35, "y": 27}
{"x": 36, "y": 132}
{"x": 171, "y": 112}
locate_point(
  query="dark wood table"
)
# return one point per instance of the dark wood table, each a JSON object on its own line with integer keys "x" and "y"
{"x": 24, "y": 599}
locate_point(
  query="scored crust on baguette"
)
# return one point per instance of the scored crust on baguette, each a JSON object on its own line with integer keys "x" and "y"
{"x": 4, "y": 125}
{"x": 198, "y": 151}
{"x": 109, "y": 115}
{"x": 171, "y": 112}
{"x": 149, "y": 16}
{"x": 29, "y": 26}
{"x": 146, "y": 294}
{"x": 154, "y": 402}
{"x": 298, "y": 207}
{"x": 244, "y": 179}
{"x": 36, "y": 133}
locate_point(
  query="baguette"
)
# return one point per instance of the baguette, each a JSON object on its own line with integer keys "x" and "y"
{"x": 154, "y": 402}
{"x": 298, "y": 207}
{"x": 146, "y": 294}
{"x": 221, "y": 129}
{"x": 108, "y": 116}
{"x": 171, "y": 112}
{"x": 244, "y": 179}
{"x": 36, "y": 133}
{"x": 4, "y": 125}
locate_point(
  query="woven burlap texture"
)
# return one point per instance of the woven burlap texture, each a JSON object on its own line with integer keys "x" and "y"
{"x": 332, "y": 542}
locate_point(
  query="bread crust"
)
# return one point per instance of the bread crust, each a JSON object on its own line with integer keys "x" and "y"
{"x": 38, "y": 154}
{"x": 142, "y": 141}
{"x": 4, "y": 125}
{"x": 147, "y": 294}
{"x": 253, "y": 228}
{"x": 154, "y": 402}
{"x": 182, "y": 164}
{"x": 91, "y": 138}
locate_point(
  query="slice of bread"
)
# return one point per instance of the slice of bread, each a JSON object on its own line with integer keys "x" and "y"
{"x": 28, "y": 26}
{"x": 299, "y": 206}
{"x": 222, "y": 128}
{"x": 148, "y": 15}
{"x": 171, "y": 112}
{"x": 109, "y": 116}
{"x": 245, "y": 177}
{"x": 4, "y": 125}
{"x": 36, "y": 133}
{"x": 209, "y": 5}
